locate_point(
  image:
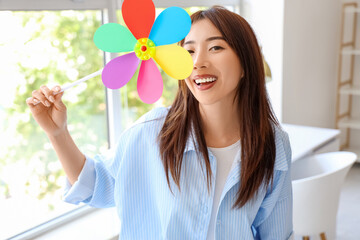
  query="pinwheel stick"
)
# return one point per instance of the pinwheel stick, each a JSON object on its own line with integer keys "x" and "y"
{"x": 70, "y": 85}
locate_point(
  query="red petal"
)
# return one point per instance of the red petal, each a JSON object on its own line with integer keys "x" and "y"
{"x": 139, "y": 17}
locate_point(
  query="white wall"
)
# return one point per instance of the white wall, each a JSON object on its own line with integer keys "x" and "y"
{"x": 311, "y": 45}
{"x": 301, "y": 41}
{"x": 310, "y": 67}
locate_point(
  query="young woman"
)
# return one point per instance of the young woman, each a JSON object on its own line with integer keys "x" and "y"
{"x": 214, "y": 165}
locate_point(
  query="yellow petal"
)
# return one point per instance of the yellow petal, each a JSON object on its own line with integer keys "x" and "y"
{"x": 174, "y": 60}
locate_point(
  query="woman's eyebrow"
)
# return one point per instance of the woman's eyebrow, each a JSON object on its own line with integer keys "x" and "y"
{"x": 208, "y": 40}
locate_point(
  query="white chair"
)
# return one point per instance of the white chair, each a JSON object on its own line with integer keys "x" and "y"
{"x": 317, "y": 182}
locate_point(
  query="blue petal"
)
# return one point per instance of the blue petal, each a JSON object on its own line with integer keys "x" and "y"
{"x": 171, "y": 26}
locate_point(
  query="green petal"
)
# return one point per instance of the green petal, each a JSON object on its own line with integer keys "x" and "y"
{"x": 113, "y": 37}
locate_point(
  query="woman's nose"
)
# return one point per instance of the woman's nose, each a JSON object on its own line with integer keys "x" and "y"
{"x": 200, "y": 61}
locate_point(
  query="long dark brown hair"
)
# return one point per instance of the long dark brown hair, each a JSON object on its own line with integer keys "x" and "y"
{"x": 256, "y": 116}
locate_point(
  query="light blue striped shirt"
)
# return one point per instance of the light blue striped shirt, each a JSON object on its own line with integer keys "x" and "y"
{"x": 132, "y": 178}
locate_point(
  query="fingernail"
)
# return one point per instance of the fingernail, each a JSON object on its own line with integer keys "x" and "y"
{"x": 47, "y": 103}
{"x": 57, "y": 88}
{"x": 52, "y": 99}
{"x": 35, "y": 100}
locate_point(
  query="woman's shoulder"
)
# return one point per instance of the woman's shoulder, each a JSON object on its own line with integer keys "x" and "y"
{"x": 283, "y": 148}
{"x": 149, "y": 123}
{"x": 156, "y": 114}
{"x": 279, "y": 131}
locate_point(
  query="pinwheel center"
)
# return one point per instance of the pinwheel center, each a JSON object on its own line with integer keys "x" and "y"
{"x": 144, "y": 49}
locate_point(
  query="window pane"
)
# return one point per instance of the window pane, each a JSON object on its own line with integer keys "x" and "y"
{"x": 44, "y": 48}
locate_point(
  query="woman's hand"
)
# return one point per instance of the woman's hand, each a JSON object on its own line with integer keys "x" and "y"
{"x": 48, "y": 110}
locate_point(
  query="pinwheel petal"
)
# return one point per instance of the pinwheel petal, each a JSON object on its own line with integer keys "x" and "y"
{"x": 139, "y": 16}
{"x": 171, "y": 26}
{"x": 113, "y": 37}
{"x": 174, "y": 60}
{"x": 149, "y": 83}
{"x": 120, "y": 70}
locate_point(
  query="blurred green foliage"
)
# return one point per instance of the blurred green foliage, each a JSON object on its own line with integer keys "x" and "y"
{"x": 71, "y": 34}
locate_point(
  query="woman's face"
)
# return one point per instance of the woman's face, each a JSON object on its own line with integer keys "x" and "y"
{"x": 217, "y": 69}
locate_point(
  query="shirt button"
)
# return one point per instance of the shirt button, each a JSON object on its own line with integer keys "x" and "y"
{"x": 218, "y": 222}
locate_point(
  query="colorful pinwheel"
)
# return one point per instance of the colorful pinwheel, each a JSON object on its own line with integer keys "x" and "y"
{"x": 148, "y": 40}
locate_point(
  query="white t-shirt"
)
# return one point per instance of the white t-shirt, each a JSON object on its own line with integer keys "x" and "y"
{"x": 224, "y": 161}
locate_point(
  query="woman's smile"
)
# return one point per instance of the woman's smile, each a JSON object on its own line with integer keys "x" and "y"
{"x": 205, "y": 81}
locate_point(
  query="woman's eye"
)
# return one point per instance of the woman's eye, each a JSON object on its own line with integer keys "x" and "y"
{"x": 190, "y": 51}
{"x": 216, "y": 48}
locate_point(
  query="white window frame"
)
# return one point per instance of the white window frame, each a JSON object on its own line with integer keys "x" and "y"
{"x": 113, "y": 97}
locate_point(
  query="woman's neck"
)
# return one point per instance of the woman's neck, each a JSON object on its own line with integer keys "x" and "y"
{"x": 220, "y": 124}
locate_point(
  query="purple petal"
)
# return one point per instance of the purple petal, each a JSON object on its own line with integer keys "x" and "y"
{"x": 120, "y": 70}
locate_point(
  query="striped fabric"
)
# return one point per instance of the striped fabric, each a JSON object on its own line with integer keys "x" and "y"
{"x": 132, "y": 178}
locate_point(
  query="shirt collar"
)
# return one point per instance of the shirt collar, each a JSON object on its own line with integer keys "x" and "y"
{"x": 281, "y": 142}
{"x": 191, "y": 145}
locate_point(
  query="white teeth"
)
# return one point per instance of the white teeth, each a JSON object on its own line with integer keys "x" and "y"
{"x": 203, "y": 80}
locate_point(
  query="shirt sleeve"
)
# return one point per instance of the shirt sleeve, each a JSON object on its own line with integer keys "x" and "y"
{"x": 274, "y": 219}
{"x": 95, "y": 185}
{"x": 83, "y": 188}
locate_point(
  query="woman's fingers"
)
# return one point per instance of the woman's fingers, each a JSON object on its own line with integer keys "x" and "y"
{"x": 48, "y": 109}
{"x": 46, "y": 97}
{"x": 39, "y": 96}
{"x": 31, "y": 102}
{"x": 47, "y": 93}
{"x": 56, "y": 89}
{"x": 43, "y": 95}
{"x": 35, "y": 105}
{"x": 59, "y": 105}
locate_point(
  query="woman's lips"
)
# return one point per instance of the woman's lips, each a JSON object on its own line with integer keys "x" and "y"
{"x": 204, "y": 81}
{"x": 205, "y": 86}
